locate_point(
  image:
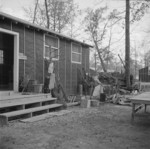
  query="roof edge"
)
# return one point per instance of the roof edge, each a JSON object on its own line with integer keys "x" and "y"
{"x": 8, "y": 16}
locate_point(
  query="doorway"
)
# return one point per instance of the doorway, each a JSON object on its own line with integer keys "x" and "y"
{"x": 6, "y": 61}
{"x": 9, "y": 51}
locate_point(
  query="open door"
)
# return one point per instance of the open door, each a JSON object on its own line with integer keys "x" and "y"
{"x": 6, "y": 61}
{"x": 9, "y": 60}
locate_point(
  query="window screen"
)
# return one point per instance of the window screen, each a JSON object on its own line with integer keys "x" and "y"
{"x": 52, "y": 47}
{"x": 76, "y": 53}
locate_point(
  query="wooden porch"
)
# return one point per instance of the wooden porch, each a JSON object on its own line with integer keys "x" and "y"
{"x": 16, "y": 106}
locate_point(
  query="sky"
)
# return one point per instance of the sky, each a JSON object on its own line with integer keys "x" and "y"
{"x": 15, "y": 8}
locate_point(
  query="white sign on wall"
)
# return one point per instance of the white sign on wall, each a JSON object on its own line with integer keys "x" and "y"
{"x": 22, "y": 56}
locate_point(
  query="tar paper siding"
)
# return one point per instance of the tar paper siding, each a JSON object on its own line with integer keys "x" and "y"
{"x": 5, "y": 23}
{"x": 144, "y": 74}
{"x": 68, "y": 67}
{"x": 39, "y": 62}
{"x": 29, "y": 52}
{"x": 67, "y": 71}
{"x": 31, "y": 44}
{"x": 62, "y": 62}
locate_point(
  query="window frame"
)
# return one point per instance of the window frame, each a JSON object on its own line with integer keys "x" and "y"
{"x": 72, "y": 52}
{"x": 55, "y": 48}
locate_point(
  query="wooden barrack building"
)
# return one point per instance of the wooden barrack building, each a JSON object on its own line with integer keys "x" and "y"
{"x": 23, "y": 50}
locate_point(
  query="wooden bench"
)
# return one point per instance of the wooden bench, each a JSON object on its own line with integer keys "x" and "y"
{"x": 138, "y": 102}
{"x": 26, "y": 113}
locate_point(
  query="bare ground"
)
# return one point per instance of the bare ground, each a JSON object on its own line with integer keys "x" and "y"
{"x": 106, "y": 127}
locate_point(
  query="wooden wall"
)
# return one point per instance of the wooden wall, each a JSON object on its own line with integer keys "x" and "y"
{"x": 31, "y": 43}
{"x": 69, "y": 72}
{"x": 39, "y": 62}
{"x": 144, "y": 74}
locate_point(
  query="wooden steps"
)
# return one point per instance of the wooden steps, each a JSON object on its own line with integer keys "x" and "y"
{"x": 20, "y": 97}
{"x": 44, "y": 116}
{"x": 6, "y": 93}
{"x": 26, "y": 106}
{"x": 5, "y": 117}
{"x": 23, "y": 104}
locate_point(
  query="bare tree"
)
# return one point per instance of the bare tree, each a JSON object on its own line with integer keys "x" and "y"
{"x": 35, "y": 9}
{"x": 138, "y": 10}
{"x": 98, "y": 25}
{"x": 74, "y": 25}
{"x": 47, "y": 14}
{"x": 52, "y": 14}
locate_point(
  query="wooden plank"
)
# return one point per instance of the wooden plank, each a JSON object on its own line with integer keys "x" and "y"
{"x": 72, "y": 104}
{"x": 45, "y": 116}
{"x": 133, "y": 112}
{"x": 147, "y": 114}
{"x": 19, "y": 96}
{"x": 31, "y": 110}
{"x": 19, "y": 102}
{"x": 143, "y": 98}
{"x": 141, "y": 102}
{"x": 142, "y": 95}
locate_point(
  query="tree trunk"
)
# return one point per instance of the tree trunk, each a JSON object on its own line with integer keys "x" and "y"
{"x": 95, "y": 63}
{"x": 47, "y": 16}
{"x": 35, "y": 10}
{"x": 127, "y": 42}
{"x": 100, "y": 57}
{"x": 59, "y": 22}
{"x": 54, "y": 22}
{"x": 102, "y": 63}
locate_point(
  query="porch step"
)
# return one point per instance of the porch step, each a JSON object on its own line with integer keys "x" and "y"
{"x": 20, "y": 96}
{"x": 45, "y": 116}
{"x": 6, "y": 93}
{"x": 21, "y": 104}
{"x": 26, "y": 113}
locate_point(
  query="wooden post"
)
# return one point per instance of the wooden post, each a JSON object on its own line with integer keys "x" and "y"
{"x": 133, "y": 112}
{"x": 127, "y": 44}
{"x": 145, "y": 108}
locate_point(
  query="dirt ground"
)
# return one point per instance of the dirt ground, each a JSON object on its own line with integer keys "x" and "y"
{"x": 106, "y": 127}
